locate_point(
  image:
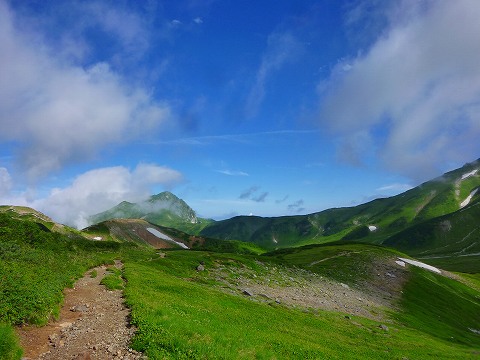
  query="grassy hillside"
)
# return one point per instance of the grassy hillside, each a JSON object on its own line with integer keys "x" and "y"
{"x": 197, "y": 318}
{"x": 318, "y": 301}
{"x": 136, "y": 231}
{"x": 36, "y": 264}
{"x": 451, "y": 241}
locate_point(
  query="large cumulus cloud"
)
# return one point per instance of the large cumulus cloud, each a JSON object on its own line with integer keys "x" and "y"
{"x": 56, "y": 110}
{"x": 98, "y": 190}
{"x": 412, "y": 99}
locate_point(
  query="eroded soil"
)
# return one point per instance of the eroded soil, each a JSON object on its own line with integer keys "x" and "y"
{"x": 304, "y": 289}
{"x": 93, "y": 324}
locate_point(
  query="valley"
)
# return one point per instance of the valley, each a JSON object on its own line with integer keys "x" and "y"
{"x": 373, "y": 281}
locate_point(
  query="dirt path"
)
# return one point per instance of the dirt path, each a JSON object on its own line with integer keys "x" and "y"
{"x": 93, "y": 324}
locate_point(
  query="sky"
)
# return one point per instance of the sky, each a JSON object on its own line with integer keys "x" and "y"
{"x": 265, "y": 108}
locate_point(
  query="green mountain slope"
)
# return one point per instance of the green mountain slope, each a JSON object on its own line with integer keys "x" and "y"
{"x": 452, "y": 240}
{"x": 164, "y": 209}
{"x": 372, "y": 222}
{"x": 144, "y": 233}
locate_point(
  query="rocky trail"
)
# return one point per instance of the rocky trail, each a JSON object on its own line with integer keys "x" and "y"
{"x": 93, "y": 324}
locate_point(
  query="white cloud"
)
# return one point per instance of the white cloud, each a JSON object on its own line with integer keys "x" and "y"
{"x": 281, "y": 49}
{"x": 98, "y": 190}
{"x": 5, "y": 182}
{"x": 198, "y": 20}
{"x": 394, "y": 188}
{"x": 415, "y": 93}
{"x": 232, "y": 173}
{"x": 61, "y": 112}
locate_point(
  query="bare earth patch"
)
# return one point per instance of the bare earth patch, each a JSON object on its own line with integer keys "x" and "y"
{"x": 307, "y": 290}
{"x": 93, "y": 324}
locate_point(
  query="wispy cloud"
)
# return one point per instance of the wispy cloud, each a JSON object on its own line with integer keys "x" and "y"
{"x": 282, "y": 48}
{"x": 249, "y": 192}
{"x": 397, "y": 187}
{"x": 232, "y": 173}
{"x": 261, "y": 197}
{"x": 282, "y": 200}
{"x": 239, "y": 138}
{"x": 414, "y": 95}
{"x": 296, "y": 207}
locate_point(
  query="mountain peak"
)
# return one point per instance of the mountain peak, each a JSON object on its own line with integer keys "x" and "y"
{"x": 163, "y": 209}
{"x": 164, "y": 195}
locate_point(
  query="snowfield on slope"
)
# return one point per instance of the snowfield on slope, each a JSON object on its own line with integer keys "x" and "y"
{"x": 420, "y": 264}
{"x": 161, "y": 235}
{"x": 471, "y": 173}
{"x": 467, "y": 200}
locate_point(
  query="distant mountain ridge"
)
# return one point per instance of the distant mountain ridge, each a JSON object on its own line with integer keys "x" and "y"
{"x": 372, "y": 222}
{"x": 164, "y": 208}
{"x": 401, "y": 221}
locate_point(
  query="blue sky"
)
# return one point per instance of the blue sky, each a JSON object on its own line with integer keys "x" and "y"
{"x": 239, "y": 107}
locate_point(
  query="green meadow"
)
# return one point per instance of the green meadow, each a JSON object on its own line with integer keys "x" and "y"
{"x": 183, "y": 313}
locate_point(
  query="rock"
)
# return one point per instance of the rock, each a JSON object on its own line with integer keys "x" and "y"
{"x": 200, "y": 267}
{"x": 383, "y": 327}
{"x": 390, "y": 275}
{"x": 79, "y": 308}
{"x": 247, "y": 292}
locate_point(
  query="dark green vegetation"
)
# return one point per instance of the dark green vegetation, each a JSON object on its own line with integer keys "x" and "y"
{"x": 9, "y": 347}
{"x": 427, "y": 306}
{"x": 450, "y": 241}
{"x": 113, "y": 279}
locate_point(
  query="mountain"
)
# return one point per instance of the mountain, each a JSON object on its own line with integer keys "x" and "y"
{"x": 411, "y": 221}
{"x": 162, "y": 209}
{"x": 27, "y": 214}
{"x": 450, "y": 241}
{"x": 373, "y": 222}
{"x": 141, "y": 232}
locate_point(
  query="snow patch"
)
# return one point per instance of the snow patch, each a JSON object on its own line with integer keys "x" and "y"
{"x": 401, "y": 263}
{"x": 467, "y": 200}
{"x": 420, "y": 264}
{"x": 275, "y": 240}
{"x": 471, "y": 173}
{"x": 98, "y": 238}
{"x": 161, "y": 235}
{"x": 372, "y": 228}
